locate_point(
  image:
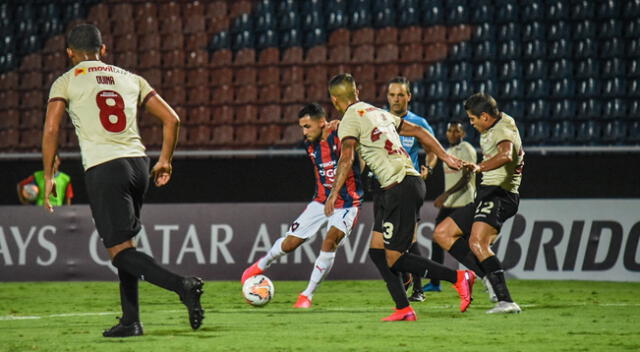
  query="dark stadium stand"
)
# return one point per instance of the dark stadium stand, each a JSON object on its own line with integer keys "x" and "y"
{"x": 237, "y": 71}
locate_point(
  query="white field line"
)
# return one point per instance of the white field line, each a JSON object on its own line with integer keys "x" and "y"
{"x": 327, "y": 309}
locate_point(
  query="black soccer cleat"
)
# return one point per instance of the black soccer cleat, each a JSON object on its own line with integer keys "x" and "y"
{"x": 192, "y": 290}
{"x": 417, "y": 296}
{"x": 121, "y": 330}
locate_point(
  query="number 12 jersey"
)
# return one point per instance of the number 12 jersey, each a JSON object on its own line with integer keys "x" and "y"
{"x": 102, "y": 101}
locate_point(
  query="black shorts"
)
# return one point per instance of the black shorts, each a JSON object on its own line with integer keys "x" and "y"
{"x": 493, "y": 205}
{"x": 116, "y": 190}
{"x": 400, "y": 212}
{"x": 443, "y": 213}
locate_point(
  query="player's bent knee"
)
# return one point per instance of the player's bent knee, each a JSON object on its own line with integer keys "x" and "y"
{"x": 115, "y": 250}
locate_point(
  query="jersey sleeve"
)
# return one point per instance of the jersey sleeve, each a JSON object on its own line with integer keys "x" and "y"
{"x": 350, "y": 125}
{"x": 397, "y": 121}
{"x": 424, "y": 124}
{"x": 146, "y": 91}
{"x": 58, "y": 89}
{"x": 504, "y": 134}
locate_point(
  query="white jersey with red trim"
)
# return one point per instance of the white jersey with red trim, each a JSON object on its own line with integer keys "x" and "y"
{"x": 102, "y": 101}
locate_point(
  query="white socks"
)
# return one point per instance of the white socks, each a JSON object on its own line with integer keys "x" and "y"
{"x": 320, "y": 270}
{"x": 274, "y": 253}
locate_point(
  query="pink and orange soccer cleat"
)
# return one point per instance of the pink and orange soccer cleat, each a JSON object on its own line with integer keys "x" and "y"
{"x": 404, "y": 314}
{"x": 302, "y": 302}
{"x": 253, "y": 270}
{"x": 464, "y": 286}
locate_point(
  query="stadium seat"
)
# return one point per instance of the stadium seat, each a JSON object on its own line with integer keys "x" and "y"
{"x": 199, "y": 115}
{"x": 268, "y": 135}
{"x": 513, "y": 69}
{"x": 633, "y": 132}
{"x": 560, "y": 49}
{"x": 223, "y": 95}
{"x": 265, "y": 21}
{"x": 337, "y": 19}
{"x": 246, "y": 136}
{"x": 410, "y": 35}
{"x": 246, "y": 94}
{"x": 9, "y": 119}
{"x": 219, "y": 41}
{"x": 483, "y": 13}
{"x": 538, "y": 132}
{"x": 558, "y": 30}
{"x": 412, "y": 71}
{"x": 514, "y": 108}
{"x": 509, "y": 50}
{"x": 438, "y": 111}
{"x": 269, "y": 75}
{"x": 173, "y": 77}
{"x": 339, "y": 54}
{"x": 170, "y": 24}
{"x": 245, "y": 57}
{"x": 246, "y": 75}
{"x": 271, "y": 113}
{"x": 632, "y": 28}
{"x": 488, "y": 86}
{"x": 435, "y": 52}
{"x": 583, "y": 9}
{"x": 437, "y": 72}
{"x": 172, "y": 41}
{"x": 269, "y": 94}
{"x": 537, "y": 109}
{"x": 588, "y": 68}
{"x": 147, "y": 25}
{"x": 175, "y": 96}
{"x": 435, "y": 34}
{"x": 561, "y": 69}
{"x": 222, "y": 135}
{"x": 173, "y": 59}
{"x": 563, "y": 88}
{"x": 317, "y": 74}
{"x": 562, "y": 132}
{"x": 537, "y": 89}
{"x": 484, "y": 71}
{"x": 563, "y": 109}
{"x": 367, "y": 90}
{"x": 461, "y": 71}
{"x": 364, "y": 72}
{"x": 153, "y": 76}
{"x": 386, "y": 35}
{"x": 267, "y": 39}
{"x": 633, "y": 48}
{"x": 197, "y": 78}
{"x": 149, "y": 42}
{"x": 585, "y": 29}
{"x": 293, "y": 93}
{"x": 484, "y": 50}
{"x": 246, "y": 113}
{"x": 316, "y": 55}
{"x": 243, "y": 40}
{"x": 615, "y": 108}
{"x": 387, "y": 53}
{"x": 614, "y": 88}
{"x": 433, "y": 14}
{"x": 511, "y": 89}
{"x": 460, "y": 52}
{"x": 222, "y": 115}
{"x": 290, "y": 38}
{"x": 408, "y": 16}
{"x": 589, "y": 109}
{"x": 437, "y": 90}
{"x": 614, "y": 132}
{"x": 129, "y": 60}
{"x": 341, "y": 36}
{"x": 633, "y": 88}
{"x": 533, "y": 11}
{"x": 292, "y": 74}
{"x": 52, "y": 45}
{"x": 588, "y": 132}
{"x": 611, "y": 28}
{"x": 291, "y": 135}
{"x": 533, "y": 31}
{"x": 150, "y": 59}
{"x": 461, "y": 90}
{"x": 507, "y": 12}
{"x": 612, "y": 48}
{"x": 535, "y": 49}
{"x": 589, "y": 88}
{"x": 457, "y": 14}
{"x": 411, "y": 53}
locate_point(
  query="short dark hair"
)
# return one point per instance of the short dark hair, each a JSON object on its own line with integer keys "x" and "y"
{"x": 314, "y": 110}
{"x": 85, "y": 37}
{"x": 455, "y": 122}
{"x": 401, "y": 80}
{"x": 482, "y": 102}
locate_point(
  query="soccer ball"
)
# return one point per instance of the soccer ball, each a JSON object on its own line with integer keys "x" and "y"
{"x": 258, "y": 290}
{"x": 30, "y": 192}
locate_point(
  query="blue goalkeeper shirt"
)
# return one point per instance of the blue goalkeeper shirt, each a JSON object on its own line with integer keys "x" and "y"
{"x": 411, "y": 144}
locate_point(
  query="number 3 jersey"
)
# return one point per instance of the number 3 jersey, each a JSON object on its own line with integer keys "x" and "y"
{"x": 102, "y": 101}
{"x": 379, "y": 142}
{"x": 324, "y": 155}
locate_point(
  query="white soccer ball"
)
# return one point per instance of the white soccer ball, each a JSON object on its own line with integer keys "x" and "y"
{"x": 30, "y": 192}
{"x": 258, "y": 290}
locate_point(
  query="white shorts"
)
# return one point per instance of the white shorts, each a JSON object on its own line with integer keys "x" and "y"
{"x": 309, "y": 222}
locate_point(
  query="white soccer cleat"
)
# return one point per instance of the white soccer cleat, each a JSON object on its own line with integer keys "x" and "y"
{"x": 492, "y": 294}
{"x": 504, "y": 307}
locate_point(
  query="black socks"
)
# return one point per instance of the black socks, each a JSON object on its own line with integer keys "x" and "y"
{"x": 495, "y": 273}
{"x": 128, "y": 298}
{"x": 417, "y": 279}
{"x": 461, "y": 251}
{"x": 391, "y": 278}
{"x": 426, "y": 268}
{"x": 437, "y": 255}
{"x": 144, "y": 267}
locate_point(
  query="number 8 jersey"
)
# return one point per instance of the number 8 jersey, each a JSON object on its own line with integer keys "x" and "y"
{"x": 102, "y": 101}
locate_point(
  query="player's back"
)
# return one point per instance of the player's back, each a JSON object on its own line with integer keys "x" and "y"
{"x": 102, "y": 101}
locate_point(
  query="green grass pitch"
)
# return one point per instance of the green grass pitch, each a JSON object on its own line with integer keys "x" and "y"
{"x": 557, "y": 316}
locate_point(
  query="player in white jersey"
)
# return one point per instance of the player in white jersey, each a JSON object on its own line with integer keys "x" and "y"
{"x": 102, "y": 101}
{"x": 374, "y": 133}
{"x": 476, "y": 226}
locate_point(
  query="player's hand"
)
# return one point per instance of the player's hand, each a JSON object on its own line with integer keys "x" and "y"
{"x": 333, "y": 124}
{"x": 474, "y": 168}
{"x": 439, "y": 202}
{"x": 424, "y": 172}
{"x": 49, "y": 190}
{"x": 329, "y": 205}
{"x": 161, "y": 173}
{"x": 453, "y": 162}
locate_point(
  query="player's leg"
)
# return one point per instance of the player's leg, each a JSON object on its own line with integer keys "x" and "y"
{"x": 116, "y": 190}
{"x": 398, "y": 232}
{"x": 305, "y": 226}
{"x": 437, "y": 253}
{"x": 129, "y": 324}
{"x": 418, "y": 294}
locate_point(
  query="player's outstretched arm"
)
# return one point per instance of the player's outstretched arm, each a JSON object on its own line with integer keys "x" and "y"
{"x": 161, "y": 171}
{"x": 504, "y": 155}
{"x": 347, "y": 156}
{"x": 55, "y": 112}
{"x": 429, "y": 143}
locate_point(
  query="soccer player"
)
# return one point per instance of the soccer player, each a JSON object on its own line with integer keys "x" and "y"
{"x": 102, "y": 101}
{"x": 324, "y": 148}
{"x": 398, "y": 98}
{"x": 374, "y": 133}
{"x": 64, "y": 189}
{"x": 460, "y": 189}
{"x": 497, "y": 198}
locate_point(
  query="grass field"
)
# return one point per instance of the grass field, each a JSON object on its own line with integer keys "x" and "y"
{"x": 557, "y": 316}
